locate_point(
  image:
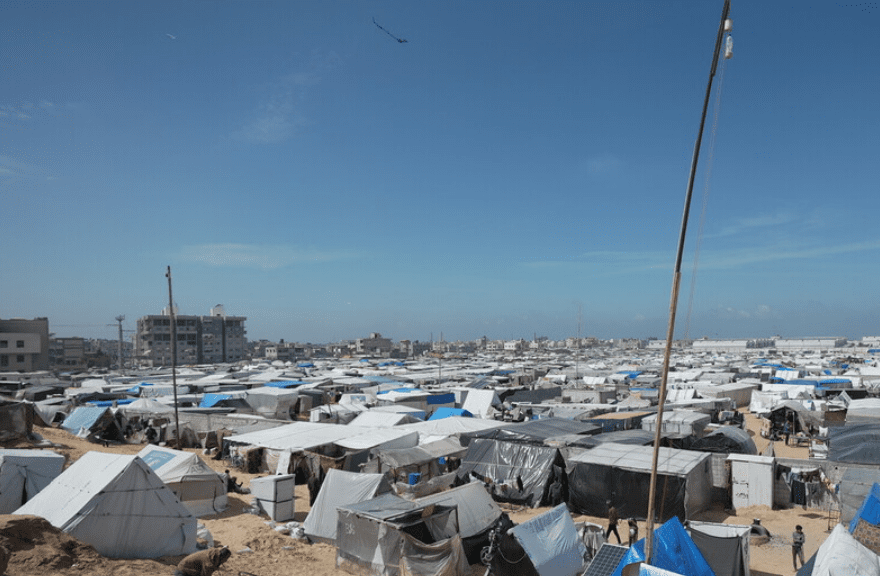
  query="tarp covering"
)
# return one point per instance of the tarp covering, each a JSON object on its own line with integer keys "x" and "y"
{"x": 480, "y": 403}
{"x": 673, "y": 550}
{"x": 510, "y": 465}
{"x": 198, "y": 487}
{"x": 23, "y": 473}
{"x": 552, "y": 543}
{"x": 724, "y": 546}
{"x": 841, "y": 554}
{"x": 339, "y": 489}
{"x": 534, "y": 430}
{"x": 856, "y": 485}
{"x": 857, "y": 444}
{"x": 725, "y": 440}
{"x": 869, "y": 511}
{"x": 444, "y": 558}
{"x": 476, "y": 509}
{"x": 119, "y": 505}
{"x": 446, "y": 412}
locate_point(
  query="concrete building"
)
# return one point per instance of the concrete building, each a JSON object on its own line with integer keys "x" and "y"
{"x": 375, "y": 345}
{"x": 200, "y": 339}
{"x": 67, "y": 353}
{"x": 24, "y": 344}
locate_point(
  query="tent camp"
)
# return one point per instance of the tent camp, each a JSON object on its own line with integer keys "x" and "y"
{"x": 198, "y": 487}
{"x": 673, "y": 550}
{"x": 119, "y": 505}
{"x": 23, "y": 473}
{"x": 621, "y": 473}
{"x": 339, "y": 489}
{"x": 387, "y": 536}
{"x": 724, "y": 546}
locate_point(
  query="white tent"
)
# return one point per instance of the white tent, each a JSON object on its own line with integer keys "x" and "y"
{"x": 480, "y": 403}
{"x": 339, "y": 489}
{"x": 552, "y": 543}
{"x": 843, "y": 554}
{"x": 198, "y": 487}
{"x": 271, "y": 402}
{"x": 119, "y": 505}
{"x": 23, "y": 473}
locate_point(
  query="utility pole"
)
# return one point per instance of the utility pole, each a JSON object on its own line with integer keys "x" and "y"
{"x": 577, "y": 363}
{"x": 119, "y": 319}
{"x": 173, "y": 356}
{"x": 725, "y": 25}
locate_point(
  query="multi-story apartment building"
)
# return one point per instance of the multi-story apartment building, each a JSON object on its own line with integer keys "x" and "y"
{"x": 24, "y": 344}
{"x": 67, "y": 353}
{"x": 200, "y": 339}
{"x": 375, "y": 345}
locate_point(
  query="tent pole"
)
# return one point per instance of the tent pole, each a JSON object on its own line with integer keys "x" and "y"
{"x": 173, "y": 357}
{"x": 676, "y": 283}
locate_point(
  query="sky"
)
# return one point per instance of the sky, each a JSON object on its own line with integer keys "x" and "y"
{"x": 512, "y": 169}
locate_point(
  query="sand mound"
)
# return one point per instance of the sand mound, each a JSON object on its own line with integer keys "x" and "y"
{"x": 37, "y": 546}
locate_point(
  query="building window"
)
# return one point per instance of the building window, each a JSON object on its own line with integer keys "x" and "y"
{"x": 4, "y": 343}
{"x": 19, "y": 358}
{"x": 4, "y": 361}
{"x": 19, "y": 343}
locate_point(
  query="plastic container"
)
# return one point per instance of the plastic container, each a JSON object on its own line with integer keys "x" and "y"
{"x": 414, "y": 478}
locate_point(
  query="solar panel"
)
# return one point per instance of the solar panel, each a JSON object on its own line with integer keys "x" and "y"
{"x": 606, "y": 560}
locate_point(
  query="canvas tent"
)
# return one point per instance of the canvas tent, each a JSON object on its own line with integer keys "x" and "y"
{"x": 673, "y": 550}
{"x": 388, "y": 536}
{"x": 93, "y": 422}
{"x": 843, "y": 554}
{"x": 517, "y": 472}
{"x": 198, "y": 487}
{"x": 23, "y": 473}
{"x": 621, "y": 473}
{"x": 339, "y": 489}
{"x": 16, "y": 420}
{"x": 119, "y": 505}
{"x": 724, "y": 546}
{"x": 678, "y": 423}
{"x": 552, "y": 543}
{"x": 272, "y": 401}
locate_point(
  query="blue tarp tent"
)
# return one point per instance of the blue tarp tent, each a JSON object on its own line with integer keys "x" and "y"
{"x": 109, "y": 403}
{"x": 285, "y": 384}
{"x": 83, "y": 417}
{"x": 869, "y": 510}
{"x": 673, "y": 550}
{"x": 446, "y": 412}
{"x": 211, "y": 400}
{"x": 305, "y": 365}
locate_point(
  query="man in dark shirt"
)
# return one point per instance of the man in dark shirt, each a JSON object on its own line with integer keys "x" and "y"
{"x": 612, "y": 522}
{"x": 798, "y": 538}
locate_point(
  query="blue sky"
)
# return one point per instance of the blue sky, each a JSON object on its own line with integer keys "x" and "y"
{"x": 511, "y": 164}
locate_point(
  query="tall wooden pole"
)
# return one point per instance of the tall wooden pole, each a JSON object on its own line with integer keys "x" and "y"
{"x": 173, "y": 356}
{"x": 676, "y": 281}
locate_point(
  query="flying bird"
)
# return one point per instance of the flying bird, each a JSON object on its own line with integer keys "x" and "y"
{"x": 401, "y": 40}
{"x": 171, "y": 36}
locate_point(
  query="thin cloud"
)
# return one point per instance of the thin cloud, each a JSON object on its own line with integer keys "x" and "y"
{"x": 752, "y": 223}
{"x": 604, "y": 164}
{"x": 262, "y": 256}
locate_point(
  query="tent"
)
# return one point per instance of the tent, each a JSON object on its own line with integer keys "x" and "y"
{"x": 517, "y": 472}
{"x": 446, "y": 412}
{"x": 424, "y": 459}
{"x": 388, "y": 536}
{"x": 16, "y": 420}
{"x": 93, "y": 422}
{"x": 855, "y": 487}
{"x": 621, "y": 473}
{"x": 480, "y": 403}
{"x": 552, "y": 543}
{"x": 678, "y": 423}
{"x": 843, "y": 554}
{"x": 272, "y": 401}
{"x": 23, "y": 473}
{"x": 724, "y": 546}
{"x": 198, "y": 487}
{"x": 673, "y": 550}
{"x": 119, "y": 505}
{"x": 535, "y": 431}
{"x": 339, "y": 489}
{"x": 855, "y": 444}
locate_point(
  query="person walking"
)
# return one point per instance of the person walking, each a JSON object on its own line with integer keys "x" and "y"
{"x": 798, "y": 538}
{"x": 612, "y": 522}
{"x": 633, "y": 531}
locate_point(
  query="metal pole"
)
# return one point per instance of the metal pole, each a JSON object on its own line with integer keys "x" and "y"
{"x": 173, "y": 356}
{"x": 676, "y": 281}
{"x": 121, "y": 363}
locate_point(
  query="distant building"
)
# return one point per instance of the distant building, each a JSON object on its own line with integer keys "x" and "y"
{"x": 24, "y": 344}
{"x": 375, "y": 345}
{"x": 815, "y": 344}
{"x": 210, "y": 339}
{"x": 67, "y": 353}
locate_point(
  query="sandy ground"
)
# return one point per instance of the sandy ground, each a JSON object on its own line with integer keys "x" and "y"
{"x": 259, "y": 550}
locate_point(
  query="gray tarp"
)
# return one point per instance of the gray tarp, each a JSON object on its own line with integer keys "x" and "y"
{"x": 724, "y": 546}
{"x": 855, "y": 444}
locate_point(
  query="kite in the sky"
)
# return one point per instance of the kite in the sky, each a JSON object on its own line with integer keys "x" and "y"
{"x": 401, "y": 40}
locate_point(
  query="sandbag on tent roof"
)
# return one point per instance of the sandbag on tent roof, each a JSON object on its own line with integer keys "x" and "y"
{"x": 198, "y": 487}
{"x": 23, "y": 473}
{"x": 519, "y": 472}
{"x": 339, "y": 489}
{"x": 387, "y": 536}
{"x": 119, "y": 505}
{"x": 843, "y": 554}
{"x": 673, "y": 550}
{"x": 552, "y": 543}
{"x": 724, "y": 546}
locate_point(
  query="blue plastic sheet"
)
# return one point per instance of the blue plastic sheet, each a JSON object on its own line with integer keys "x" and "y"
{"x": 869, "y": 511}
{"x": 673, "y": 550}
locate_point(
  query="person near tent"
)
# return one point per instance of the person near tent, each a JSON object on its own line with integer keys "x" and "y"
{"x": 315, "y": 481}
{"x": 612, "y": 522}
{"x": 633, "y": 531}
{"x": 203, "y": 563}
{"x": 233, "y": 485}
{"x": 798, "y": 538}
{"x": 786, "y": 431}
